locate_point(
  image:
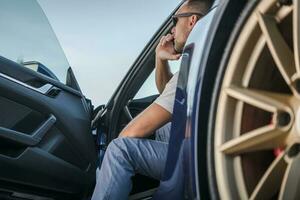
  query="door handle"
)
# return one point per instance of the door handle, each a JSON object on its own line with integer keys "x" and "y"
{"x": 43, "y": 89}
{"x": 25, "y": 139}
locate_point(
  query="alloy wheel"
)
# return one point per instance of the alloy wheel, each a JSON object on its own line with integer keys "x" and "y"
{"x": 257, "y": 129}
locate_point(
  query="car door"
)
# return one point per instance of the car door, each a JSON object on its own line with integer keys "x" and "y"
{"x": 46, "y": 145}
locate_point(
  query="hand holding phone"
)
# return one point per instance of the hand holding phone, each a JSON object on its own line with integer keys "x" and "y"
{"x": 165, "y": 49}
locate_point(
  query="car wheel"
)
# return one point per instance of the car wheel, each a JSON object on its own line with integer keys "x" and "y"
{"x": 254, "y": 136}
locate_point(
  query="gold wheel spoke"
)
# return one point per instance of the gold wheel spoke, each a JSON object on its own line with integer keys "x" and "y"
{"x": 267, "y": 101}
{"x": 296, "y": 32}
{"x": 281, "y": 52}
{"x": 290, "y": 188}
{"x": 270, "y": 183}
{"x": 267, "y": 137}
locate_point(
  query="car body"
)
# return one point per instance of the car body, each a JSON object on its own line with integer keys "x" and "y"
{"x": 52, "y": 139}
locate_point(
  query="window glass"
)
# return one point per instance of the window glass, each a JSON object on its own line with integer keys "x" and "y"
{"x": 149, "y": 86}
{"x": 28, "y": 39}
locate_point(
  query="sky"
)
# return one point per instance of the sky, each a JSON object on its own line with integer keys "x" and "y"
{"x": 102, "y": 38}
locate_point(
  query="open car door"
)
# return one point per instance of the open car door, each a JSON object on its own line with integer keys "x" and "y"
{"x": 46, "y": 145}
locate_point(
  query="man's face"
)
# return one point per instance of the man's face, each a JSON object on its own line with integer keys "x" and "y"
{"x": 182, "y": 29}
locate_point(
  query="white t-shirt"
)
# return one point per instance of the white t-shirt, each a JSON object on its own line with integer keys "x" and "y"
{"x": 167, "y": 97}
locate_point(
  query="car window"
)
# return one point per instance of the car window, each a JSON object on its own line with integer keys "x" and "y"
{"x": 28, "y": 39}
{"x": 149, "y": 87}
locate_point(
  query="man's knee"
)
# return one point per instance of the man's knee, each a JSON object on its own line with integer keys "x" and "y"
{"x": 117, "y": 146}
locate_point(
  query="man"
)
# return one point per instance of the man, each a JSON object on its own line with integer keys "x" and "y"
{"x": 130, "y": 154}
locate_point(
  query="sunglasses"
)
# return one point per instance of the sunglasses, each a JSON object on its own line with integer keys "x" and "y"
{"x": 175, "y": 17}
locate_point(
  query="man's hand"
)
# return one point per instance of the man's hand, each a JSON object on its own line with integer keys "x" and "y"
{"x": 165, "y": 49}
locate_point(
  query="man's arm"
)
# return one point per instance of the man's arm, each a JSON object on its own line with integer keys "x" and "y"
{"x": 162, "y": 74}
{"x": 147, "y": 122}
{"x": 164, "y": 51}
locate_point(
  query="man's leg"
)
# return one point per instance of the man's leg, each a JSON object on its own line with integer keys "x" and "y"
{"x": 163, "y": 134}
{"x": 123, "y": 158}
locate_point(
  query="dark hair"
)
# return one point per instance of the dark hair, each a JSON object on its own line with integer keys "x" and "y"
{"x": 200, "y": 6}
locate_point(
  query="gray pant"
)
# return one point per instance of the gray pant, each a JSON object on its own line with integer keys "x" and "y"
{"x": 126, "y": 156}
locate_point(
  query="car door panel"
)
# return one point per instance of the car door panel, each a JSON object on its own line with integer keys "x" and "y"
{"x": 45, "y": 140}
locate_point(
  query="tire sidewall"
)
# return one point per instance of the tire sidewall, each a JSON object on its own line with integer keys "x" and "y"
{"x": 214, "y": 193}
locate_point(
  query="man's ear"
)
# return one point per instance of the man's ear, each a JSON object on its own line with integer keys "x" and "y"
{"x": 193, "y": 20}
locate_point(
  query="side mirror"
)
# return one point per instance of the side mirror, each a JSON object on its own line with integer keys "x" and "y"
{"x": 40, "y": 68}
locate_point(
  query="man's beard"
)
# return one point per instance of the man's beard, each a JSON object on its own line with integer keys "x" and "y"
{"x": 178, "y": 46}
